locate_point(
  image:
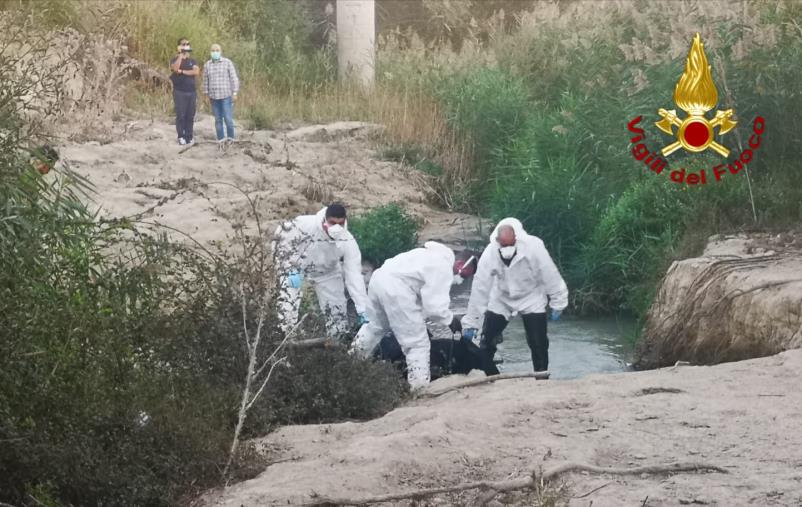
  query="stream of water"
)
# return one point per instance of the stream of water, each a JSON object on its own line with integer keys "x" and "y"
{"x": 577, "y": 347}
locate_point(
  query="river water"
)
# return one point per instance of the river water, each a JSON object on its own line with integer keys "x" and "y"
{"x": 577, "y": 347}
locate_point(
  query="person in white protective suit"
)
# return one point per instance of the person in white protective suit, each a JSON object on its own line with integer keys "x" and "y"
{"x": 318, "y": 249}
{"x": 515, "y": 275}
{"x": 402, "y": 294}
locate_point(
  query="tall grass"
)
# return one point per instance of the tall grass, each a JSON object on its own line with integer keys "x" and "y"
{"x": 566, "y": 170}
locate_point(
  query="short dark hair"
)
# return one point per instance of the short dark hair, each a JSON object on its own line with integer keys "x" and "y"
{"x": 335, "y": 210}
{"x": 46, "y": 154}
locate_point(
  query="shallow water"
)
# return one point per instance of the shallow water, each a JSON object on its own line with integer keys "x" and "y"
{"x": 577, "y": 347}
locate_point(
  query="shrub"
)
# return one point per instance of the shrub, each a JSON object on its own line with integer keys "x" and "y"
{"x": 119, "y": 376}
{"x": 122, "y": 355}
{"x": 91, "y": 407}
{"x": 384, "y": 232}
{"x": 326, "y": 386}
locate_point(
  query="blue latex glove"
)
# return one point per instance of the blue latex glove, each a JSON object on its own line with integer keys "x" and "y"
{"x": 471, "y": 335}
{"x": 361, "y": 319}
{"x": 295, "y": 278}
{"x": 555, "y": 314}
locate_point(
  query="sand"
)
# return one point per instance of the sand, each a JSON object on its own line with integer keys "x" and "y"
{"x": 200, "y": 191}
{"x": 744, "y": 417}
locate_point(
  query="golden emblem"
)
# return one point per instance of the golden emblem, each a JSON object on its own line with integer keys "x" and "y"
{"x": 695, "y": 94}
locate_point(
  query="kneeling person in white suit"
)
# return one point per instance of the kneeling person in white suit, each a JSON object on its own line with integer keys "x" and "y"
{"x": 402, "y": 294}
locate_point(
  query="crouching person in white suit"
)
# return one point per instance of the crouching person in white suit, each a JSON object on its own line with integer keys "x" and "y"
{"x": 319, "y": 250}
{"x": 402, "y": 294}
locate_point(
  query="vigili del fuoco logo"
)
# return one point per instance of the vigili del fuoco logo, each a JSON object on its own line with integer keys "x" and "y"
{"x": 695, "y": 94}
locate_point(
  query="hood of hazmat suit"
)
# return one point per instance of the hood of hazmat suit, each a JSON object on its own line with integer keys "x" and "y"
{"x": 529, "y": 284}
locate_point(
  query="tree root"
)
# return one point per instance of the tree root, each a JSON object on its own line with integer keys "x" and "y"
{"x": 493, "y": 488}
{"x": 478, "y": 381}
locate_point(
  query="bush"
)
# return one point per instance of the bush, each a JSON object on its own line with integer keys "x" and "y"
{"x": 327, "y": 386}
{"x": 122, "y": 355}
{"x": 91, "y": 407}
{"x": 120, "y": 377}
{"x": 384, "y": 232}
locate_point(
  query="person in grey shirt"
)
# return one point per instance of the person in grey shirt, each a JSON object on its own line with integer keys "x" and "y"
{"x": 220, "y": 85}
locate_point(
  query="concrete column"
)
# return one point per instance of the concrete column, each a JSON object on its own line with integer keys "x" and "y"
{"x": 356, "y": 40}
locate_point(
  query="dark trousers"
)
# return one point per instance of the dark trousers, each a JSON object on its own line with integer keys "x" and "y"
{"x": 536, "y": 338}
{"x": 184, "y": 113}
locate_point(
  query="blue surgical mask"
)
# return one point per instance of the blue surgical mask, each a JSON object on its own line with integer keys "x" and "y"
{"x": 215, "y": 55}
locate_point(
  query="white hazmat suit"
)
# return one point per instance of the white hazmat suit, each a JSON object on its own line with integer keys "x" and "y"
{"x": 402, "y": 294}
{"x": 527, "y": 285}
{"x": 301, "y": 244}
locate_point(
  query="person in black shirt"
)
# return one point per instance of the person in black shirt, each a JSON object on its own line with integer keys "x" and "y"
{"x": 183, "y": 71}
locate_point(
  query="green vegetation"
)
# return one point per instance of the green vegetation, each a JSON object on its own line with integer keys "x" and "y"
{"x": 120, "y": 374}
{"x": 122, "y": 356}
{"x": 384, "y": 232}
{"x": 139, "y": 357}
{"x": 523, "y": 114}
{"x": 545, "y": 117}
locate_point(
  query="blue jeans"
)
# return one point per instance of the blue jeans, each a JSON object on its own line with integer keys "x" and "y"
{"x": 223, "y": 110}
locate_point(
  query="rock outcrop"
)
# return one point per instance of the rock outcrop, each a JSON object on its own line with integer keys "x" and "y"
{"x": 741, "y": 299}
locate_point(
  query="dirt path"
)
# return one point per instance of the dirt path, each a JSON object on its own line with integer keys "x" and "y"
{"x": 743, "y": 416}
{"x": 197, "y": 190}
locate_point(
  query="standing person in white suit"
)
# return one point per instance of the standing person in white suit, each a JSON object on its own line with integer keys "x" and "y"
{"x": 515, "y": 275}
{"x": 318, "y": 249}
{"x": 402, "y": 294}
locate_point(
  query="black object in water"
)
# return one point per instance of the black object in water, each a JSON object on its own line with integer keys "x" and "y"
{"x": 446, "y": 356}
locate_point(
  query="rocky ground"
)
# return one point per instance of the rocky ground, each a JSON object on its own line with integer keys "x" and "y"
{"x": 200, "y": 191}
{"x": 743, "y": 417}
{"x": 741, "y": 298}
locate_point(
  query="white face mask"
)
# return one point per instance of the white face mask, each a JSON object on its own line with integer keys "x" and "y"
{"x": 337, "y": 232}
{"x": 457, "y": 280}
{"x": 507, "y": 252}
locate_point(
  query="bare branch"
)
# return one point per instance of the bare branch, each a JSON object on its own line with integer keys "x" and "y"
{"x": 280, "y": 345}
{"x": 264, "y": 384}
{"x": 484, "y": 380}
{"x": 312, "y": 343}
{"x": 495, "y": 487}
{"x": 245, "y": 316}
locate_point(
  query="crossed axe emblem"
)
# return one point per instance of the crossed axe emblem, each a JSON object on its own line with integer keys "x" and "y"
{"x": 695, "y": 132}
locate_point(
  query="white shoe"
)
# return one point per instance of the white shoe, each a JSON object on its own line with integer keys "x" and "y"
{"x": 191, "y": 142}
{"x": 182, "y": 141}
